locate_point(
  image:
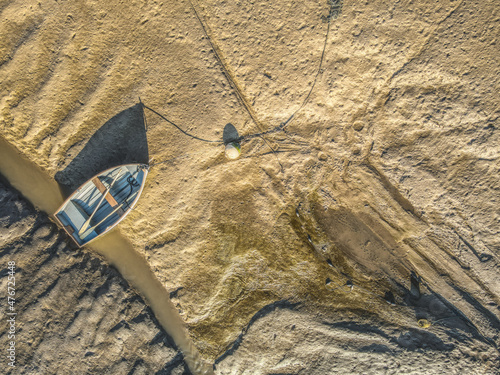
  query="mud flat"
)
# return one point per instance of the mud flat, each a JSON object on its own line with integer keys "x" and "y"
{"x": 378, "y": 208}
{"x": 73, "y": 310}
{"x": 286, "y": 341}
{"x": 45, "y": 193}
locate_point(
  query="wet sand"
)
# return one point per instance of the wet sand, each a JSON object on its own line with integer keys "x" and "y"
{"x": 44, "y": 193}
{"x": 390, "y": 168}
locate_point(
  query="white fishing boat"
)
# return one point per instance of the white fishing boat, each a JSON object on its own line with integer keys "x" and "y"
{"x": 102, "y": 202}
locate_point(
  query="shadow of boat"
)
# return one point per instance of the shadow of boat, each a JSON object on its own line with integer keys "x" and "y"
{"x": 121, "y": 140}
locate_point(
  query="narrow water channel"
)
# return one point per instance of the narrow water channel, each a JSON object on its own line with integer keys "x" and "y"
{"x": 44, "y": 193}
{"x": 29, "y": 180}
{"x": 119, "y": 252}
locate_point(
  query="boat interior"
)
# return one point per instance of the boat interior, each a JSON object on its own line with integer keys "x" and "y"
{"x": 101, "y": 202}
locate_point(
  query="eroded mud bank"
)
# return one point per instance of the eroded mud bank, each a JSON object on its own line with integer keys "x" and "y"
{"x": 73, "y": 310}
{"x": 391, "y": 168}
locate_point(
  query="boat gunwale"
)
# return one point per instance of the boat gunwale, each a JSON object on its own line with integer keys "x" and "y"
{"x": 131, "y": 206}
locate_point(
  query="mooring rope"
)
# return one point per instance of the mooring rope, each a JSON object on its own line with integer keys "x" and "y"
{"x": 179, "y": 128}
{"x": 335, "y": 8}
{"x": 284, "y": 124}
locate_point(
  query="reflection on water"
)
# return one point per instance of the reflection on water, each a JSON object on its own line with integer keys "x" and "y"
{"x": 28, "y": 179}
{"x": 44, "y": 193}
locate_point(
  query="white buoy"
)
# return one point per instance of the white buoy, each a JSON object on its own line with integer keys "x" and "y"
{"x": 233, "y": 150}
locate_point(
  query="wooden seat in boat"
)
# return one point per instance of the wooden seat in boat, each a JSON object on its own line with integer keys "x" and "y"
{"x": 111, "y": 200}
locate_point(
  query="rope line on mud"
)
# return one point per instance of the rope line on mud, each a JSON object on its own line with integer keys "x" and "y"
{"x": 179, "y": 128}
{"x": 225, "y": 69}
{"x": 232, "y": 82}
{"x": 239, "y": 139}
{"x": 335, "y": 8}
{"x": 284, "y": 124}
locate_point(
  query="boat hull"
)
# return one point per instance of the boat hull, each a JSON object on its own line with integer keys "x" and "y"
{"x": 101, "y": 203}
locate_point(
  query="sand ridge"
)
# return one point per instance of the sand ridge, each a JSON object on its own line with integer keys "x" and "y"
{"x": 391, "y": 167}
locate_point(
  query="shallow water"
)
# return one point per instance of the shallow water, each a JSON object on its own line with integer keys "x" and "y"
{"x": 44, "y": 193}
{"x": 133, "y": 267}
{"x": 27, "y": 178}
